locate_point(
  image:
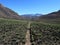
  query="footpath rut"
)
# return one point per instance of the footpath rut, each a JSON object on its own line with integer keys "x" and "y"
{"x": 28, "y": 35}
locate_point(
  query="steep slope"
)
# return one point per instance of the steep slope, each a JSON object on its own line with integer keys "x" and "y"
{"x": 8, "y": 13}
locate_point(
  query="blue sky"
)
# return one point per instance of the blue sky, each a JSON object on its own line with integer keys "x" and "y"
{"x": 32, "y": 6}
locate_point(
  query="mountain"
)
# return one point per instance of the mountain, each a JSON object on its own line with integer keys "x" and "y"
{"x": 31, "y": 16}
{"x": 8, "y": 13}
{"x": 51, "y": 17}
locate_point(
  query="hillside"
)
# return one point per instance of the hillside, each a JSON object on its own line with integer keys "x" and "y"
{"x": 8, "y": 13}
{"x": 51, "y": 17}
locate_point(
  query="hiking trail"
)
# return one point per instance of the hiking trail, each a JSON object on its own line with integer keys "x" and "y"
{"x": 28, "y": 35}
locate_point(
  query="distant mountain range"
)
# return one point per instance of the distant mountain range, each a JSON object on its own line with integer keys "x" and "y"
{"x": 31, "y": 16}
{"x": 8, "y": 13}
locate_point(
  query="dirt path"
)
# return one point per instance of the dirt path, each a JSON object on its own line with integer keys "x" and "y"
{"x": 28, "y": 36}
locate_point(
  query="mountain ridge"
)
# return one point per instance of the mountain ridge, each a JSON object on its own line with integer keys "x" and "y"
{"x": 8, "y": 13}
{"x": 52, "y": 15}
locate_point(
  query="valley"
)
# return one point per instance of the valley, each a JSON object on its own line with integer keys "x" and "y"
{"x": 29, "y": 29}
